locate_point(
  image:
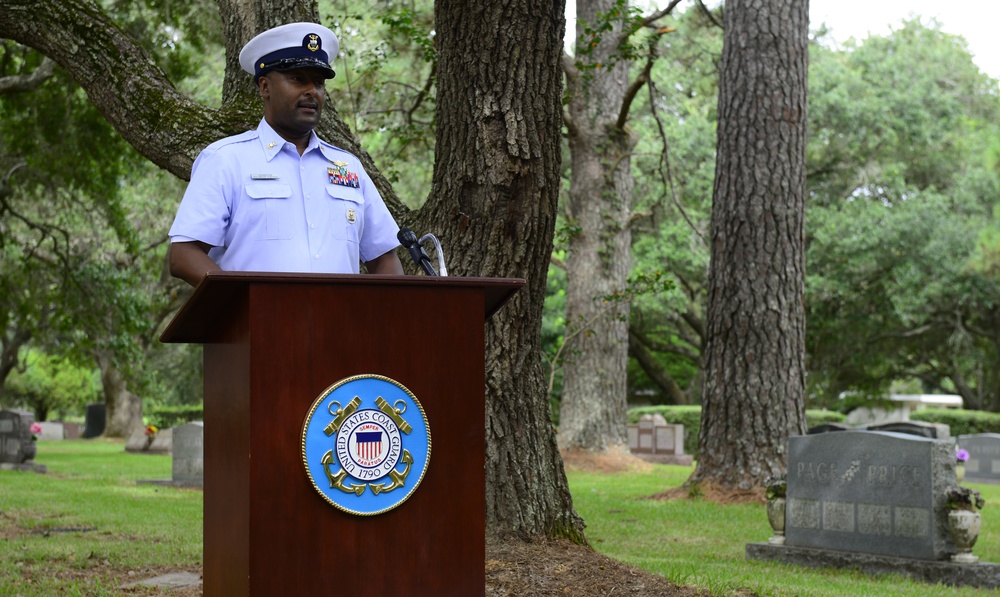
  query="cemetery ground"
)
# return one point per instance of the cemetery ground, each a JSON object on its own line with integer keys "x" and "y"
{"x": 87, "y": 528}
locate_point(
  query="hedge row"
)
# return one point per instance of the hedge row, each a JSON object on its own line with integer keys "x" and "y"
{"x": 165, "y": 417}
{"x": 690, "y": 417}
{"x": 961, "y": 422}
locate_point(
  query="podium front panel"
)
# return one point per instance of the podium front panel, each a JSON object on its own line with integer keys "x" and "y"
{"x": 288, "y": 343}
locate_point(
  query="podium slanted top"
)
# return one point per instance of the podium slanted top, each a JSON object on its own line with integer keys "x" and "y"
{"x": 218, "y": 290}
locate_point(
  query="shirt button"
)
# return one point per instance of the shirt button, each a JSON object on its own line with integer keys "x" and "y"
{"x": 317, "y": 255}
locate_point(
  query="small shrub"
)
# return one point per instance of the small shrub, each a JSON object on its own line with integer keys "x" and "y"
{"x": 960, "y": 421}
{"x": 165, "y": 417}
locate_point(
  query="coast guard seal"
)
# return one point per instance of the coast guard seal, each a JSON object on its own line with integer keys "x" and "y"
{"x": 366, "y": 444}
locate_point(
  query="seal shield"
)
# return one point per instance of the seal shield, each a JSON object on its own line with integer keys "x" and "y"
{"x": 366, "y": 444}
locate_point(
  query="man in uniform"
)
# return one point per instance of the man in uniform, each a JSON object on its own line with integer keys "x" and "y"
{"x": 278, "y": 198}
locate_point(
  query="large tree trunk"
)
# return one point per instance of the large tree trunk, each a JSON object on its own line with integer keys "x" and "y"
{"x": 493, "y": 203}
{"x": 755, "y": 340}
{"x": 123, "y": 409}
{"x": 592, "y": 411}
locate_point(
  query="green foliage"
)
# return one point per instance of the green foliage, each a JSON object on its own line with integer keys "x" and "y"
{"x": 964, "y": 498}
{"x": 50, "y": 385}
{"x": 386, "y": 87}
{"x": 900, "y": 192}
{"x": 71, "y": 232}
{"x": 960, "y": 421}
{"x": 815, "y": 416}
{"x": 165, "y": 417}
{"x": 775, "y": 487}
{"x": 623, "y": 21}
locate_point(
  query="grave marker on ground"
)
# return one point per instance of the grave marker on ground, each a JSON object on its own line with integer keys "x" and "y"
{"x": 189, "y": 454}
{"x": 656, "y": 440}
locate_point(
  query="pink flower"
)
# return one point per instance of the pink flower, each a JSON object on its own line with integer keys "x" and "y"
{"x": 35, "y": 428}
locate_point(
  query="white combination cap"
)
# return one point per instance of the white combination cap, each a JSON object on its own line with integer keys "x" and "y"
{"x": 289, "y": 47}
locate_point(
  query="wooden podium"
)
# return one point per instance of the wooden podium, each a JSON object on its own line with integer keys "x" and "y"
{"x": 273, "y": 344}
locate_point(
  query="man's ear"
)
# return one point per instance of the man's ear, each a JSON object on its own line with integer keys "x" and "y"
{"x": 264, "y": 86}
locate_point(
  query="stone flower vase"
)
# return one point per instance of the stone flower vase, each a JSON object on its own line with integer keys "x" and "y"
{"x": 964, "y": 528}
{"x": 28, "y": 451}
{"x": 776, "y": 516}
{"x": 960, "y": 472}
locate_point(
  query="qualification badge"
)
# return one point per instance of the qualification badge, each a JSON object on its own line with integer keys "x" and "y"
{"x": 366, "y": 444}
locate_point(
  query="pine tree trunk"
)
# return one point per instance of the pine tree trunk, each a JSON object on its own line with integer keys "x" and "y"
{"x": 592, "y": 410}
{"x": 755, "y": 339}
{"x": 493, "y": 203}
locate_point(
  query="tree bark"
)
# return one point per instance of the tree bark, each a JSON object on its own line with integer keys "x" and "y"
{"x": 493, "y": 202}
{"x": 755, "y": 336}
{"x": 123, "y": 409}
{"x": 594, "y": 396}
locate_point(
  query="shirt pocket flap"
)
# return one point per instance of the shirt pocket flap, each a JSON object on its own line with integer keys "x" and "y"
{"x": 345, "y": 194}
{"x": 269, "y": 191}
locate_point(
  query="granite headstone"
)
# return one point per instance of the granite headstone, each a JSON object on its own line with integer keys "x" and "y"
{"x": 656, "y": 440}
{"x": 983, "y": 465}
{"x": 15, "y": 436}
{"x": 51, "y": 431}
{"x": 189, "y": 454}
{"x": 95, "y": 420}
{"x": 870, "y": 491}
{"x": 71, "y": 430}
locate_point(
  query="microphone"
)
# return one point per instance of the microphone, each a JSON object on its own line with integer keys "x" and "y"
{"x": 408, "y": 239}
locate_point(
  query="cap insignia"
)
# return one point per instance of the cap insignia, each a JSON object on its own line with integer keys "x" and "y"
{"x": 313, "y": 43}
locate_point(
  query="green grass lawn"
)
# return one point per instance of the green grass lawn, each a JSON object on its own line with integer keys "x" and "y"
{"x": 696, "y": 542}
{"x": 86, "y": 528}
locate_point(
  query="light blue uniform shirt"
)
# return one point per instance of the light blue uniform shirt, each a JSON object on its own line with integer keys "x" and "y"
{"x": 264, "y": 208}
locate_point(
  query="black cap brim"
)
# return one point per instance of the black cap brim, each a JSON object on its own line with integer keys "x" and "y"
{"x": 287, "y": 64}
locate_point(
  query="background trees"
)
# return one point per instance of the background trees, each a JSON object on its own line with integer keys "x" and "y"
{"x": 901, "y": 189}
{"x": 599, "y": 216}
{"x": 904, "y": 183}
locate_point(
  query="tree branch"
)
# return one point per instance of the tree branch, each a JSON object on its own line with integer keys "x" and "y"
{"x": 24, "y": 83}
{"x": 633, "y": 90}
{"x": 708, "y": 13}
